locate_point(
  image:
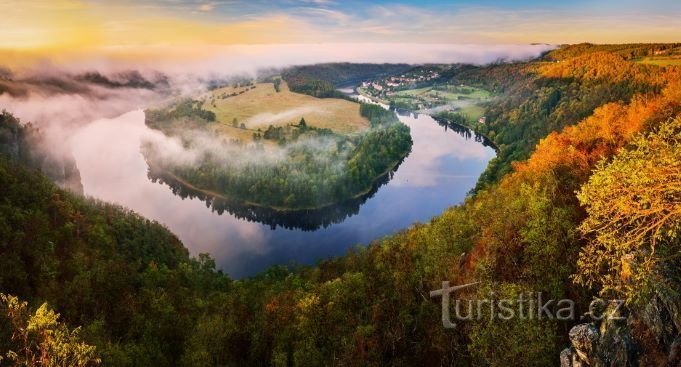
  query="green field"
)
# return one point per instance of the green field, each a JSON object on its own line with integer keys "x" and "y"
{"x": 433, "y": 99}
{"x": 661, "y": 60}
{"x": 447, "y": 93}
{"x": 473, "y": 111}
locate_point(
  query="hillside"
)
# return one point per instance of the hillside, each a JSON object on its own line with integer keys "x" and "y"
{"x": 261, "y": 105}
{"x": 322, "y": 80}
{"x": 541, "y": 97}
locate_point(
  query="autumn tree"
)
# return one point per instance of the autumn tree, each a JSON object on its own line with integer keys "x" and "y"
{"x": 634, "y": 214}
{"x": 40, "y": 339}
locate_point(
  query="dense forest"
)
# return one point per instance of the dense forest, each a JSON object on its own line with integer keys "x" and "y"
{"x": 316, "y": 167}
{"x": 552, "y": 93}
{"x": 590, "y": 209}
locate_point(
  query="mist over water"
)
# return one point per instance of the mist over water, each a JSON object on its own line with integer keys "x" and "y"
{"x": 441, "y": 168}
{"x": 93, "y": 109}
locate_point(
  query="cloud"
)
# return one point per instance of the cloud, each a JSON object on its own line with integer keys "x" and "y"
{"x": 206, "y": 7}
{"x": 71, "y": 25}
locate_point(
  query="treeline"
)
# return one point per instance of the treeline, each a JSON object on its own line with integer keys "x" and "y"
{"x": 306, "y": 219}
{"x": 290, "y": 133}
{"x": 346, "y": 73}
{"x": 317, "y": 167}
{"x": 628, "y": 51}
{"x": 321, "y": 80}
{"x": 185, "y": 109}
{"x": 314, "y": 87}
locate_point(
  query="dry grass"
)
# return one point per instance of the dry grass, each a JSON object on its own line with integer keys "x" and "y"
{"x": 263, "y": 106}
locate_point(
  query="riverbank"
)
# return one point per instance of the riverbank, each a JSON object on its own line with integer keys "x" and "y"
{"x": 159, "y": 172}
{"x": 441, "y": 120}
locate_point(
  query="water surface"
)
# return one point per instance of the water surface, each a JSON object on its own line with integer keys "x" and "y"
{"x": 442, "y": 167}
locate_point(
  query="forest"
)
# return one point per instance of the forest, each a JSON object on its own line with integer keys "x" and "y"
{"x": 547, "y": 95}
{"x": 586, "y": 184}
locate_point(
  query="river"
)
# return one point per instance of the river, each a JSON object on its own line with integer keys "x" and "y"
{"x": 442, "y": 167}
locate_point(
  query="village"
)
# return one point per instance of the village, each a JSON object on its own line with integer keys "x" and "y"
{"x": 383, "y": 88}
{"x": 422, "y": 90}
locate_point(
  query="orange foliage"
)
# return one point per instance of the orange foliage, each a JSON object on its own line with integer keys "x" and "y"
{"x": 572, "y": 152}
{"x": 602, "y": 134}
{"x": 603, "y": 66}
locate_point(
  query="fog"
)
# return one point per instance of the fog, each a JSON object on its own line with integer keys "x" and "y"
{"x": 61, "y": 98}
{"x": 81, "y": 108}
{"x": 251, "y": 58}
{"x": 264, "y": 119}
{"x": 248, "y": 59}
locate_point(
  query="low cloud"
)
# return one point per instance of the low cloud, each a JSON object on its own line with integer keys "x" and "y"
{"x": 267, "y": 118}
{"x": 61, "y": 97}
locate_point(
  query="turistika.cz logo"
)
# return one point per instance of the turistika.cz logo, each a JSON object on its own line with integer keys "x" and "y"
{"x": 525, "y": 306}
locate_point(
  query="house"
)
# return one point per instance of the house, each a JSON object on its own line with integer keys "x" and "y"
{"x": 482, "y": 120}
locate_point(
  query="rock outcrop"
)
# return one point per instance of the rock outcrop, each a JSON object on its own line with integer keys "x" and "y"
{"x": 608, "y": 340}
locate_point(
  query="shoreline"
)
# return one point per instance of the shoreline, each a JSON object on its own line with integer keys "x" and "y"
{"x": 222, "y": 196}
{"x": 436, "y": 118}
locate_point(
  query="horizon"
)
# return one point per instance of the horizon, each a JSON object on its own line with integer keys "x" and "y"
{"x": 153, "y": 30}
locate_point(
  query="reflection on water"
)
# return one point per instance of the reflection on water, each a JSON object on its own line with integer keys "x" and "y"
{"x": 441, "y": 168}
{"x": 465, "y": 132}
{"x": 306, "y": 219}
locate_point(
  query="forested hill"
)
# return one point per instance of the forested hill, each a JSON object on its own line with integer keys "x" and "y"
{"x": 558, "y": 90}
{"x": 321, "y": 80}
{"x": 593, "y": 211}
{"x": 346, "y": 73}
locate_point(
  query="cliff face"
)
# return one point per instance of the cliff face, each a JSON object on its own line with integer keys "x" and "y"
{"x": 617, "y": 337}
{"x": 63, "y": 171}
{"x": 20, "y": 144}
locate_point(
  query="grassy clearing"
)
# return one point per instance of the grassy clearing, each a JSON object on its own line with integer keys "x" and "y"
{"x": 473, "y": 111}
{"x": 661, "y": 60}
{"x": 462, "y": 99}
{"x": 260, "y": 106}
{"x": 446, "y": 93}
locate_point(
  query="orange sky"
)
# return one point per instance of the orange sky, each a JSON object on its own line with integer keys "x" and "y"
{"x": 71, "y": 27}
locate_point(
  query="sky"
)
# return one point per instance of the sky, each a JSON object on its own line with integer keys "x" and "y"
{"x": 128, "y": 27}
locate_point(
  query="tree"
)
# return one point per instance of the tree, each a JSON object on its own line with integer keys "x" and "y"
{"x": 634, "y": 214}
{"x": 235, "y": 122}
{"x": 40, "y": 339}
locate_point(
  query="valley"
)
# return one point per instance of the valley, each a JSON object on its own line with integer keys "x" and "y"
{"x": 223, "y": 228}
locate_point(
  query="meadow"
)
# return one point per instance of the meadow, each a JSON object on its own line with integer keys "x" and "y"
{"x": 661, "y": 60}
{"x": 466, "y": 100}
{"x": 260, "y": 105}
